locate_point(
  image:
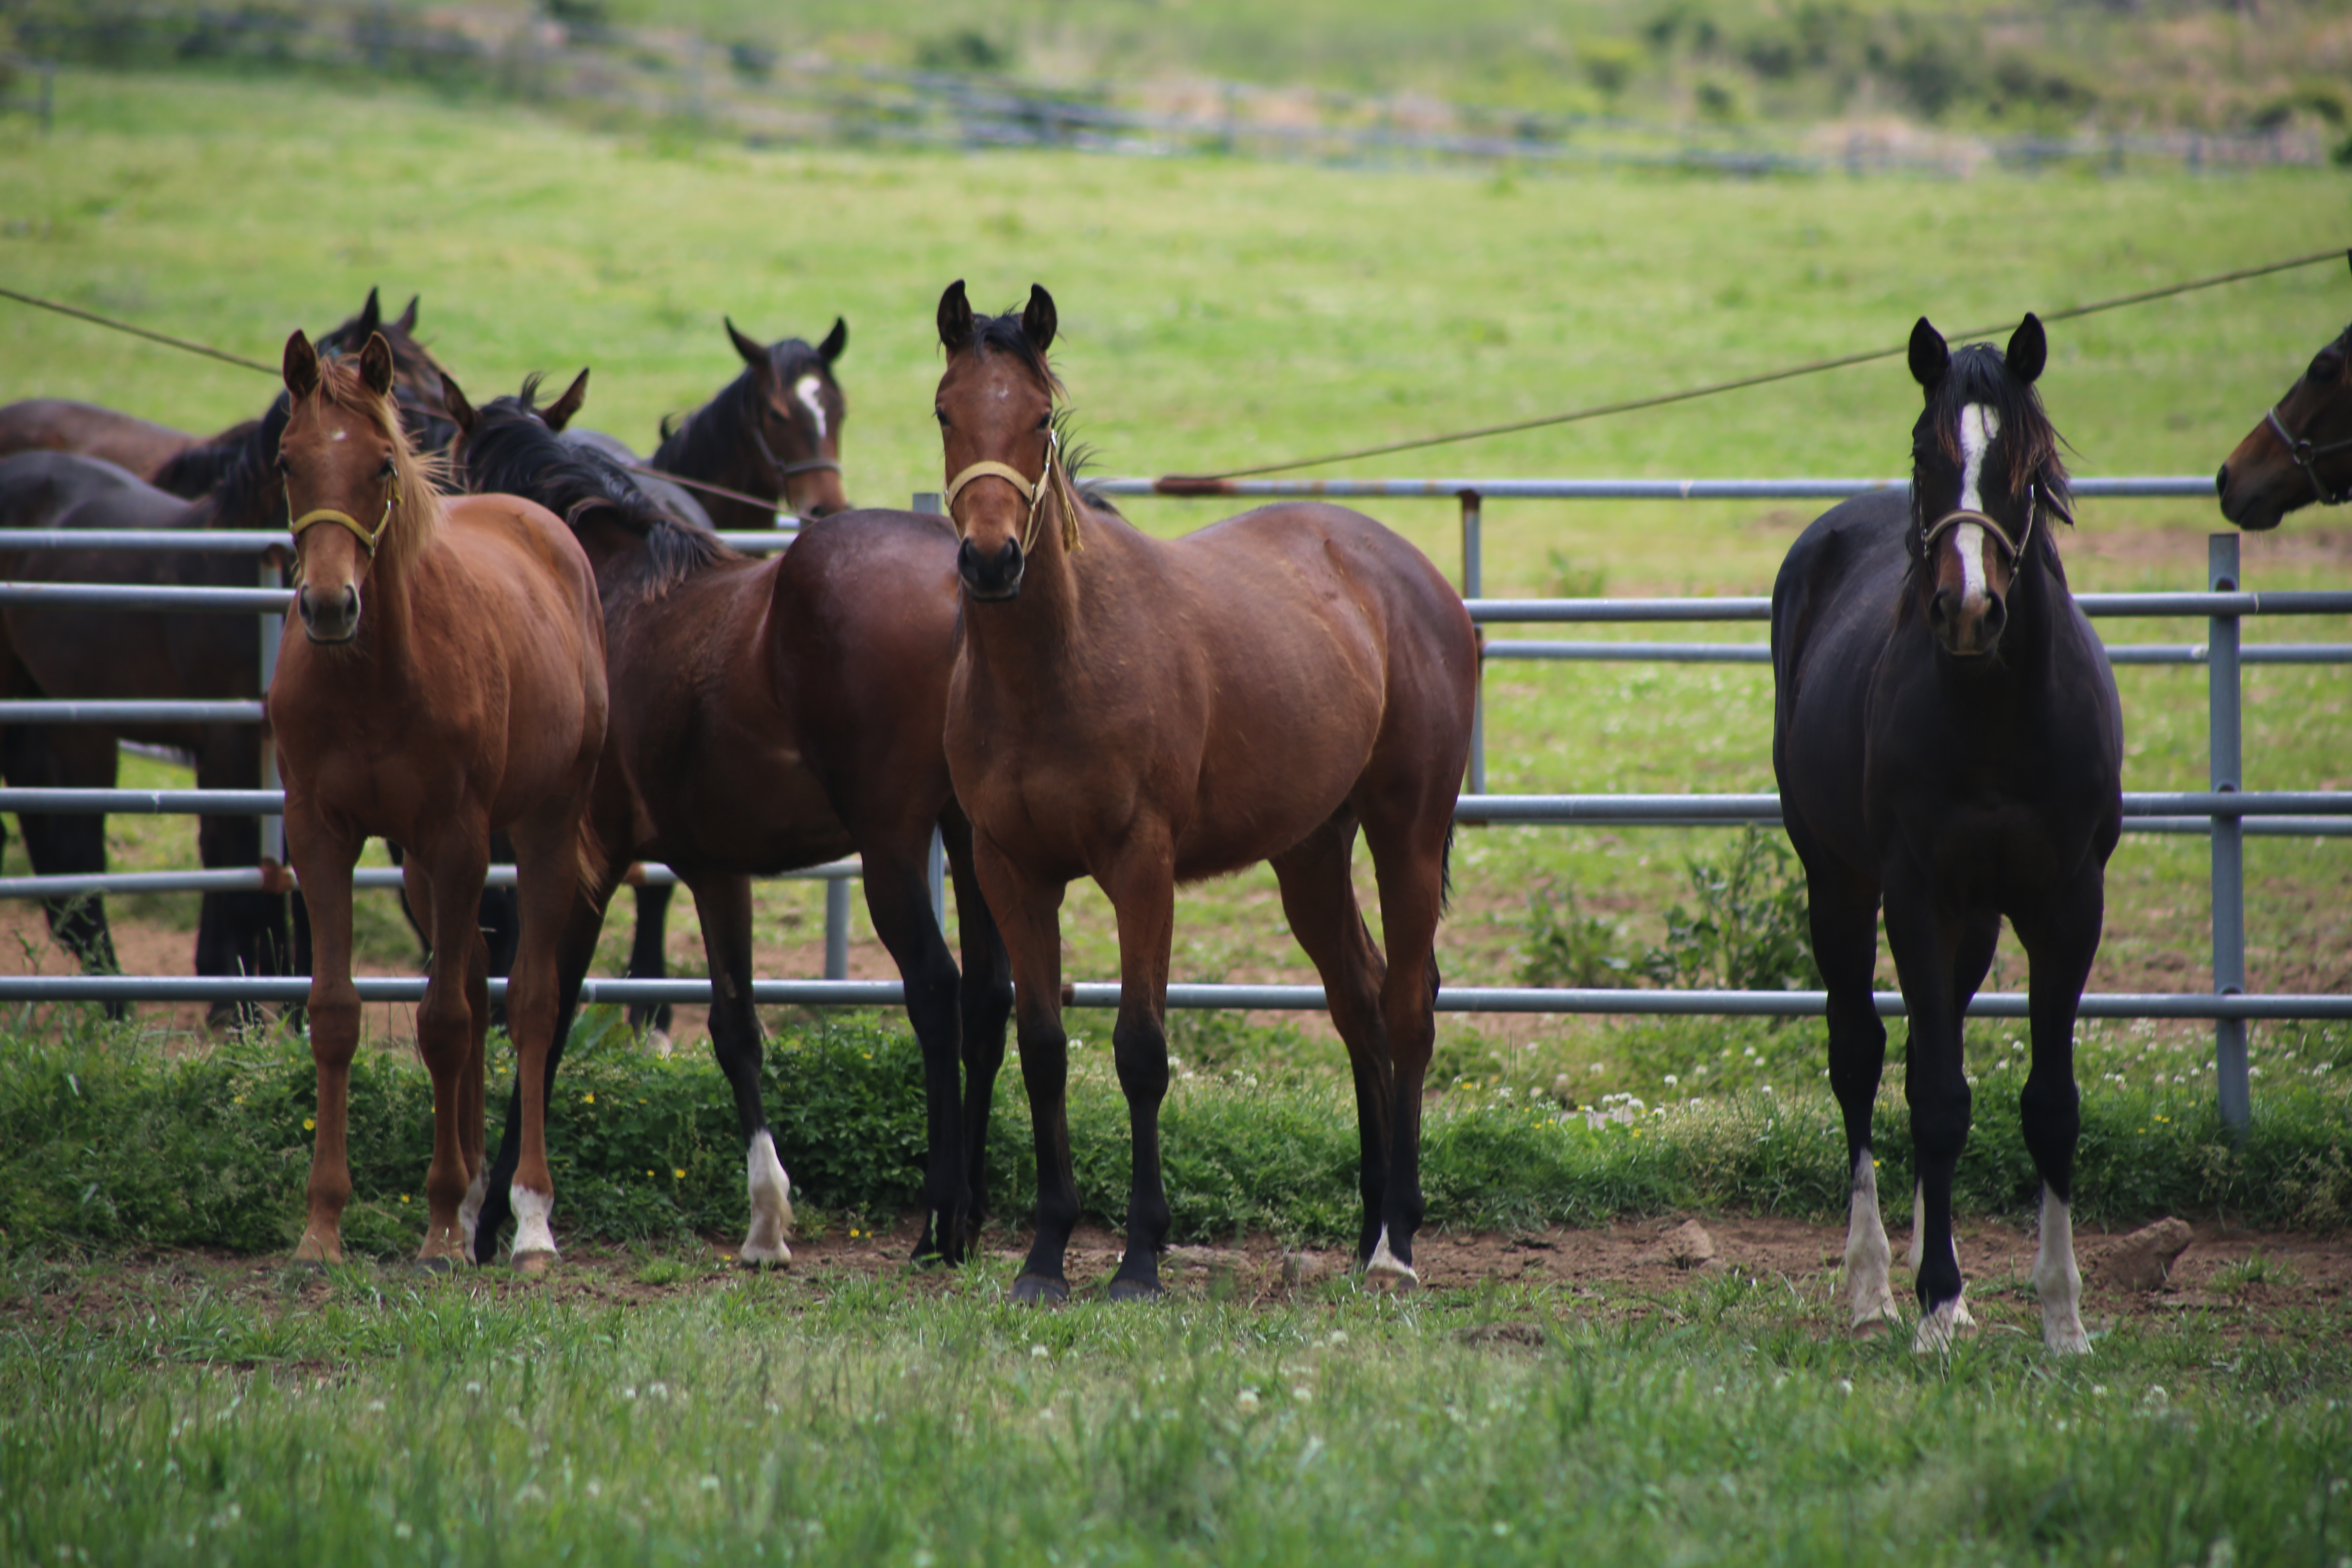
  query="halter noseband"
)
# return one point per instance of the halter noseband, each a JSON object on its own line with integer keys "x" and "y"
{"x": 787, "y": 471}
{"x": 1055, "y": 478}
{"x": 1930, "y": 532}
{"x": 2305, "y": 456}
{"x": 297, "y": 526}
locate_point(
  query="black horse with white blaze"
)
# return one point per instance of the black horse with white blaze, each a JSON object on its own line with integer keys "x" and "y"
{"x": 1948, "y": 742}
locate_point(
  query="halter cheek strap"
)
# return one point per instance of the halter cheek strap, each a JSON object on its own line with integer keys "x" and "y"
{"x": 317, "y": 515}
{"x": 1055, "y": 478}
{"x": 2305, "y": 455}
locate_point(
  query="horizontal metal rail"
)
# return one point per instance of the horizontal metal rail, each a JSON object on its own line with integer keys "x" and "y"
{"x": 47, "y": 711}
{"x": 256, "y": 541}
{"x": 252, "y": 879}
{"x": 1759, "y": 607}
{"x": 1266, "y": 998}
{"x": 2189, "y": 486}
{"x": 1762, "y": 653}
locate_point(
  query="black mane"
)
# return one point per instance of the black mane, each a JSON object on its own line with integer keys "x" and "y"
{"x": 704, "y": 441}
{"x": 1979, "y": 374}
{"x": 512, "y": 451}
{"x": 232, "y": 478}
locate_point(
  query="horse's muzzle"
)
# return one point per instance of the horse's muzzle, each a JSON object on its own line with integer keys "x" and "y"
{"x": 1965, "y": 630}
{"x": 996, "y": 576}
{"x": 328, "y": 617}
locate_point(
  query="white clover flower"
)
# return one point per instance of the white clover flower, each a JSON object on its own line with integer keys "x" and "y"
{"x": 1246, "y": 1400}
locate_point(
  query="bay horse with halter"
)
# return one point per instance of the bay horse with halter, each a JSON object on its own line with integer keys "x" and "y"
{"x": 2301, "y": 453}
{"x": 768, "y": 715}
{"x": 449, "y": 684}
{"x": 1150, "y": 714}
{"x": 1948, "y": 742}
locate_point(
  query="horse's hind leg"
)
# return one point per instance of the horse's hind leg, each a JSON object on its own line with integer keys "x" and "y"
{"x": 68, "y": 844}
{"x": 1142, "y": 889}
{"x": 986, "y": 1006}
{"x": 2060, "y": 940}
{"x": 1409, "y": 860}
{"x": 449, "y": 877}
{"x": 1319, "y": 899}
{"x": 647, "y": 962}
{"x": 724, "y": 905}
{"x": 548, "y": 873}
{"x": 1846, "y": 944}
{"x": 899, "y": 898}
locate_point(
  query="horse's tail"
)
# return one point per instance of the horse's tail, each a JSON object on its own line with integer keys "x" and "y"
{"x": 589, "y": 848}
{"x": 1445, "y": 870}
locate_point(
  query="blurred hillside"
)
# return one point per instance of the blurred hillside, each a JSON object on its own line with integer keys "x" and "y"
{"x": 1743, "y": 83}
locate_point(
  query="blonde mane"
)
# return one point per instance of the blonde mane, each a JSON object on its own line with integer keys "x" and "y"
{"x": 416, "y": 519}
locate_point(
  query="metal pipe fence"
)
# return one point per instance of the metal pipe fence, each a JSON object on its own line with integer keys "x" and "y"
{"x": 2225, "y": 812}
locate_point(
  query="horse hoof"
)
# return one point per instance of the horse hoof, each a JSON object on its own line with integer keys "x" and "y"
{"x": 437, "y": 1264}
{"x": 1137, "y": 1290}
{"x": 533, "y": 1264}
{"x": 756, "y": 1257}
{"x": 1036, "y": 1290}
{"x": 658, "y": 1042}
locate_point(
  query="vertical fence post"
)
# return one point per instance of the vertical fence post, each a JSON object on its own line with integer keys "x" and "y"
{"x": 937, "y": 863}
{"x": 1473, "y": 586}
{"x": 836, "y": 927}
{"x": 2228, "y": 839}
{"x": 273, "y": 626}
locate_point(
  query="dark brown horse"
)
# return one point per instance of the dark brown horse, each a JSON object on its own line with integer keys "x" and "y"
{"x": 147, "y": 449}
{"x": 1948, "y": 742}
{"x": 768, "y": 715}
{"x": 775, "y": 431}
{"x": 449, "y": 684}
{"x": 2301, "y": 453}
{"x": 1149, "y": 713}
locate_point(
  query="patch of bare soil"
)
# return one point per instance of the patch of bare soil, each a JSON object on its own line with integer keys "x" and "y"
{"x": 1634, "y": 1267}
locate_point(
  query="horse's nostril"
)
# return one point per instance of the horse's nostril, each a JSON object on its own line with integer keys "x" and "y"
{"x": 2221, "y": 481}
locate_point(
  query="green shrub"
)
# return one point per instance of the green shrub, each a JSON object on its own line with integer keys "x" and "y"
{"x": 1750, "y": 931}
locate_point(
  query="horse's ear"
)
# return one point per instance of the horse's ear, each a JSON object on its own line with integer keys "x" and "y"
{"x": 453, "y": 401}
{"x": 1037, "y": 320}
{"x": 755, "y": 352}
{"x": 371, "y": 316}
{"x": 955, "y": 318}
{"x": 558, "y": 414}
{"x": 408, "y": 323}
{"x": 302, "y": 366}
{"x": 2029, "y": 350}
{"x": 835, "y": 342}
{"x": 1929, "y": 356}
{"x": 376, "y": 365}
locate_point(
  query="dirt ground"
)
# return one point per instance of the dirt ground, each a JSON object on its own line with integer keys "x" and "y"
{"x": 1629, "y": 1269}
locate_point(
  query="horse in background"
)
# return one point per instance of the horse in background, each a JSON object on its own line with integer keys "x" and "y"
{"x": 774, "y": 432}
{"x": 2301, "y": 453}
{"x": 1948, "y": 742}
{"x": 1149, "y": 713}
{"x": 449, "y": 684}
{"x": 767, "y": 715}
{"x": 156, "y": 452}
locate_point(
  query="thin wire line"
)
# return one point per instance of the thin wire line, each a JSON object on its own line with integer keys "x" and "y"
{"x": 1766, "y": 378}
{"x": 92, "y": 316}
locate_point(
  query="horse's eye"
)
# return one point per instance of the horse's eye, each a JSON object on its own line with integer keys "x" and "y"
{"x": 2327, "y": 368}
{"x": 941, "y": 415}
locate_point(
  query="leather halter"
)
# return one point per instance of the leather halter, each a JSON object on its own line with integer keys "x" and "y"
{"x": 787, "y": 471}
{"x": 2305, "y": 456}
{"x": 1055, "y": 478}
{"x": 1930, "y": 532}
{"x": 317, "y": 515}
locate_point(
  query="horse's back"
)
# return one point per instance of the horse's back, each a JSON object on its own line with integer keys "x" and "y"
{"x": 62, "y": 424}
{"x": 37, "y": 487}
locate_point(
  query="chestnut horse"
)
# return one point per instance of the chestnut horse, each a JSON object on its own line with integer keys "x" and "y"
{"x": 449, "y": 684}
{"x": 1948, "y": 741}
{"x": 2301, "y": 453}
{"x": 767, "y": 715}
{"x": 1147, "y": 714}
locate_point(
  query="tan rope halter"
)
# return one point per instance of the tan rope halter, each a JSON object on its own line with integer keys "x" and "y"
{"x": 317, "y": 515}
{"x": 1055, "y": 478}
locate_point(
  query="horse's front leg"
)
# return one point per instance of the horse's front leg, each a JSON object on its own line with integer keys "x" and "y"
{"x": 448, "y": 874}
{"x": 898, "y": 899}
{"x": 985, "y": 1006}
{"x": 323, "y": 858}
{"x": 2059, "y": 940}
{"x": 1926, "y": 944}
{"x": 1028, "y": 914}
{"x": 1142, "y": 889}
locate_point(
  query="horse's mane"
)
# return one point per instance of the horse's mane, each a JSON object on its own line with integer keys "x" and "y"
{"x": 512, "y": 450}
{"x": 1979, "y": 374}
{"x": 416, "y": 519}
{"x": 1005, "y": 334}
{"x": 700, "y": 443}
{"x": 194, "y": 469}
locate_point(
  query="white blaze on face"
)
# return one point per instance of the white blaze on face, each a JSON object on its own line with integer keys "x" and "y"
{"x": 771, "y": 1202}
{"x": 808, "y": 389}
{"x": 1866, "y": 1252}
{"x": 2057, "y": 1281}
{"x": 1979, "y": 426}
